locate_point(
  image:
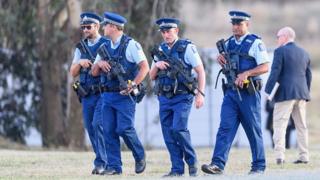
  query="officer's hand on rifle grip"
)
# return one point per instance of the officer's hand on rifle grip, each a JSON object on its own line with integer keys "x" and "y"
{"x": 221, "y": 60}
{"x": 162, "y": 65}
{"x": 104, "y": 66}
{"x": 85, "y": 63}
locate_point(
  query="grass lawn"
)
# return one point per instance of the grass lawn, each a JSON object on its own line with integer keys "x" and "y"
{"x": 40, "y": 164}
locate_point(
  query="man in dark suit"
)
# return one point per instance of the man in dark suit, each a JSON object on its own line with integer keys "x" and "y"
{"x": 291, "y": 69}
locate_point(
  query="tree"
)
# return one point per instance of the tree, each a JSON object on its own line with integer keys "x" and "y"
{"x": 37, "y": 40}
{"x": 54, "y": 47}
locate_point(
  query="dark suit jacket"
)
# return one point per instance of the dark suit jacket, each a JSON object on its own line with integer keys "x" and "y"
{"x": 291, "y": 68}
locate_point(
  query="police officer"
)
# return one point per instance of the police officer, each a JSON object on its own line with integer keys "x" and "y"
{"x": 91, "y": 104}
{"x": 175, "y": 100}
{"x": 118, "y": 107}
{"x": 241, "y": 104}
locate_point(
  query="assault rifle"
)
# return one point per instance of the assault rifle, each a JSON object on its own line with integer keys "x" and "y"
{"x": 118, "y": 71}
{"x": 229, "y": 69}
{"x": 82, "y": 46}
{"x": 177, "y": 68}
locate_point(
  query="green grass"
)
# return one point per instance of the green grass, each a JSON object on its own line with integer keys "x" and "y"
{"x": 38, "y": 164}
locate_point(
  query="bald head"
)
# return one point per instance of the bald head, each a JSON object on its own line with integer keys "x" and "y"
{"x": 285, "y": 35}
{"x": 288, "y": 33}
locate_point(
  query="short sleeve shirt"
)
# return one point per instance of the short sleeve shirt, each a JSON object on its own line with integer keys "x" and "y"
{"x": 134, "y": 51}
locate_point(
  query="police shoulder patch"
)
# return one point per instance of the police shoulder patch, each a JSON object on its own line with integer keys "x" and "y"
{"x": 262, "y": 47}
{"x": 248, "y": 40}
{"x": 137, "y": 45}
{"x": 194, "y": 49}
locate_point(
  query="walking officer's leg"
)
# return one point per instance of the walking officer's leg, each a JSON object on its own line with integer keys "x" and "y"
{"x": 250, "y": 119}
{"x": 175, "y": 152}
{"x": 99, "y": 139}
{"x": 125, "y": 128}
{"x": 112, "y": 140}
{"x": 229, "y": 123}
{"x": 181, "y": 134}
{"x": 88, "y": 107}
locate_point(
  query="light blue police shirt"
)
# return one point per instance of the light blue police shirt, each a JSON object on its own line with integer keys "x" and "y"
{"x": 134, "y": 51}
{"x": 191, "y": 55}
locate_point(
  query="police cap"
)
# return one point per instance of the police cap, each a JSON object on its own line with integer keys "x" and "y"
{"x": 167, "y": 23}
{"x": 89, "y": 18}
{"x": 239, "y": 16}
{"x": 114, "y": 18}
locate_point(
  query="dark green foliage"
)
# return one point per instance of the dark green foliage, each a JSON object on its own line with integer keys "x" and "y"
{"x": 19, "y": 88}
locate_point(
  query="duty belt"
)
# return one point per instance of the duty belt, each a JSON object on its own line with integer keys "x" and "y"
{"x": 171, "y": 93}
{"x": 257, "y": 85}
{"x": 94, "y": 89}
{"x": 110, "y": 89}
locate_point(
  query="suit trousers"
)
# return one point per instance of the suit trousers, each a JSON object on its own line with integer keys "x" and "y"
{"x": 281, "y": 115}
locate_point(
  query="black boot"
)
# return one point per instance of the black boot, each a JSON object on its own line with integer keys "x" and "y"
{"x": 211, "y": 169}
{"x": 97, "y": 170}
{"x": 172, "y": 174}
{"x": 140, "y": 166}
{"x": 193, "y": 171}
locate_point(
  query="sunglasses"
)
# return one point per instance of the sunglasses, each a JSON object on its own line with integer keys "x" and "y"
{"x": 86, "y": 27}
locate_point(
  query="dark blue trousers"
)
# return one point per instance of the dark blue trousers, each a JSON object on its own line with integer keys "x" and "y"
{"x": 91, "y": 109}
{"x": 118, "y": 113}
{"x": 248, "y": 113}
{"x": 174, "y": 115}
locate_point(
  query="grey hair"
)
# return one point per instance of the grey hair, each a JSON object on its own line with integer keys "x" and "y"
{"x": 289, "y": 32}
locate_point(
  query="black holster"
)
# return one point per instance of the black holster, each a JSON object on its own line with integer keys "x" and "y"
{"x": 142, "y": 93}
{"x": 224, "y": 86}
{"x": 254, "y": 86}
{"x": 81, "y": 91}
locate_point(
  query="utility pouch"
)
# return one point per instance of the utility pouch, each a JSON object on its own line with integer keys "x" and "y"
{"x": 224, "y": 86}
{"x": 141, "y": 94}
{"x": 251, "y": 88}
{"x": 166, "y": 88}
{"x": 254, "y": 86}
{"x": 81, "y": 92}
